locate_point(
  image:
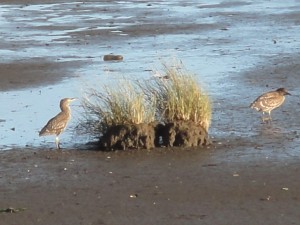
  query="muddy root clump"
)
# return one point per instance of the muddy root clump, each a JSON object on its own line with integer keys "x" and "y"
{"x": 185, "y": 134}
{"x": 149, "y": 136}
{"x": 131, "y": 136}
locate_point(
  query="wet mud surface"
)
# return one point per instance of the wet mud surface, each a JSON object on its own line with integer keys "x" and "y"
{"x": 158, "y": 187}
{"x": 241, "y": 49}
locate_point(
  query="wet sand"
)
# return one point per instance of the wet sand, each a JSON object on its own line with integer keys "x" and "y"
{"x": 33, "y": 73}
{"x": 214, "y": 186}
{"x": 249, "y": 175}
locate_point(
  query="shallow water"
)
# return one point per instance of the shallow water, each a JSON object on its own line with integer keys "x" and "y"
{"x": 235, "y": 38}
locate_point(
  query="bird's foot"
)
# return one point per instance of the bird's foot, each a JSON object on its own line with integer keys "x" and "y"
{"x": 266, "y": 119}
{"x": 58, "y": 147}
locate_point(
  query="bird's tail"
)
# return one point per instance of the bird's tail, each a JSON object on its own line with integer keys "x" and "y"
{"x": 252, "y": 105}
{"x": 43, "y": 132}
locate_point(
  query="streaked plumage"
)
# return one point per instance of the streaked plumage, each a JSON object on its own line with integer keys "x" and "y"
{"x": 269, "y": 101}
{"x": 57, "y": 124}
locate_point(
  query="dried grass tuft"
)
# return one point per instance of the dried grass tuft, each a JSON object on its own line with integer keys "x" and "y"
{"x": 122, "y": 104}
{"x": 174, "y": 96}
{"x": 179, "y": 96}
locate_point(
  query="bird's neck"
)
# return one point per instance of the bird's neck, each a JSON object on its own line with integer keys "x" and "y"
{"x": 65, "y": 109}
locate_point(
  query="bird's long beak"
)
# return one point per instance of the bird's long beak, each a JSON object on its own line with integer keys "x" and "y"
{"x": 287, "y": 93}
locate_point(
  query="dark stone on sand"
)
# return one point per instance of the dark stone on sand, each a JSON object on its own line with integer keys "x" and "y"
{"x": 113, "y": 57}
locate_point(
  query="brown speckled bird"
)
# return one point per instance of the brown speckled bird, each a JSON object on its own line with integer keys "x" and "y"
{"x": 269, "y": 101}
{"x": 57, "y": 124}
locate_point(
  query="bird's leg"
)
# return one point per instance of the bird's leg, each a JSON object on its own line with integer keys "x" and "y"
{"x": 57, "y": 142}
{"x": 263, "y": 117}
{"x": 266, "y": 119}
{"x": 270, "y": 118}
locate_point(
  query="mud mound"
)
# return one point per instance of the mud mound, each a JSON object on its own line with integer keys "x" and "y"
{"x": 185, "y": 134}
{"x": 129, "y": 136}
{"x": 148, "y": 136}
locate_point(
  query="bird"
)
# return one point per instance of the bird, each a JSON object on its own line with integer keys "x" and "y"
{"x": 268, "y": 101}
{"x": 57, "y": 124}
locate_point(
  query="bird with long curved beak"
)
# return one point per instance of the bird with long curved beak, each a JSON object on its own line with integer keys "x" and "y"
{"x": 57, "y": 124}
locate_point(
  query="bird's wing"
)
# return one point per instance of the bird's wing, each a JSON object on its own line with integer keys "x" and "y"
{"x": 270, "y": 94}
{"x": 54, "y": 126}
{"x": 262, "y": 99}
{"x": 270, "y": 100}
{"x": 265, "y": 97}
{"x": 274, "y": 101}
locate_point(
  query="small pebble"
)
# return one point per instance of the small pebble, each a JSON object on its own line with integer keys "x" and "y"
{"x": 113, "y": 58}
{"x": 133, "y": 196}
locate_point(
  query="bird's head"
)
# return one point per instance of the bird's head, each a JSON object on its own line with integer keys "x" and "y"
{"x": 282, "y": 91}
{"x": 66, "y": 101}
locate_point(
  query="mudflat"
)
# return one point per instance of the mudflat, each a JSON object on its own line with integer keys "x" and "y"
{"x": 249, "y": 175}
{"x": 179, "y": 186}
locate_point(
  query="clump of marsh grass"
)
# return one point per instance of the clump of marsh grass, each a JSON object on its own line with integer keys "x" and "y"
{"x": 125, "y": 114}
{"x": 122, "y": 104}
{"x": 179, "y": 96}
